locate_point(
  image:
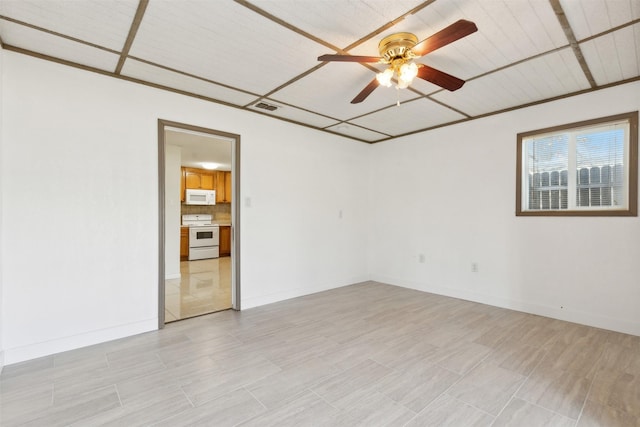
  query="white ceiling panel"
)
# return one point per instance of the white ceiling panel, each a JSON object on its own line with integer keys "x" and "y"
{"x": 149, "y": 73}
{"x": 508, "y": 31}
{"x": 105, "y": 23}
{"x": 226, "y": 43}
{"x": 295, "y": 114}
{"x": 330, "y": 90}
{"x": 591, "y": 17}
{"x": 538, "y": 23}
{"x": 604, "y": 58}
{"x": 239, "y": 52}
{"x": 338, "y": 22}
{"x": 57, "y": 47}
{"x": 515, "y": 30}
{"x": 410, "y": 116}
{"x": 534, "y": 80}
{"x": 357, "y": 132}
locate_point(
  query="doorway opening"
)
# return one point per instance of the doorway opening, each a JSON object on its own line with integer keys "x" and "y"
{"x": 199, "y": 221}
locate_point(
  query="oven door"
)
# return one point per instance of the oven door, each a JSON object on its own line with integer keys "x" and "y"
{"x": 203, "y": 236}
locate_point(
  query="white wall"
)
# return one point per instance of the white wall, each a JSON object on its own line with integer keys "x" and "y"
{"x": 80, "y": 255}
{"x": 296, "y": 196}
{"x": 80, "y": 193}
{"x": 450, "y": 194}
{"x": 172, "y": 221}
{"x": 2, "y": 246}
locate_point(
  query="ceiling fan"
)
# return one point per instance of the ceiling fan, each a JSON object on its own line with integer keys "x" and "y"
{"x": 398, "y": 51}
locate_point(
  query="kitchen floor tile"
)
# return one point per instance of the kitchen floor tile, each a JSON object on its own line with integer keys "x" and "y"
{"x": 204, "y": 287}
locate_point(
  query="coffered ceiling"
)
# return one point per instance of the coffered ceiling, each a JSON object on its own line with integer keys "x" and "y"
{"x": 264, "y": 52}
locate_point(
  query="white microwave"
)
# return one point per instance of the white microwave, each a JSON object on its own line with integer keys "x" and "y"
{"x": 200, "y": 197}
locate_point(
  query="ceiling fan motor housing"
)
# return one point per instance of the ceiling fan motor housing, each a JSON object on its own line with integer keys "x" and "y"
{"x": 396, "y": 46}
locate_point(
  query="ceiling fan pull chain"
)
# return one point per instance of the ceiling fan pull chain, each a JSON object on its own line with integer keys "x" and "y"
{"x": 398, "y": 93}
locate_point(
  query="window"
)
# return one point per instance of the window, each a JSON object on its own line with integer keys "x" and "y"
{"x": 580, "y": 169}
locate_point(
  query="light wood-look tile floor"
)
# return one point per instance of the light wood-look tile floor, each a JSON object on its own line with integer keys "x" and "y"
{"x": 368, "y": 354}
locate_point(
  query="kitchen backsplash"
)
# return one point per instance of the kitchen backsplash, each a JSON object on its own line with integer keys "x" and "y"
{"x": 220, "y": 212}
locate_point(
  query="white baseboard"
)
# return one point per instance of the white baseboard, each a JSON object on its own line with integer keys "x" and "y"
{"x": 33, "y": 351}
{"x": 1, "y": 361}
{"x": 172, "y": 276}
{"x": 257, "y": 301}
{"x": 569, "y": 315}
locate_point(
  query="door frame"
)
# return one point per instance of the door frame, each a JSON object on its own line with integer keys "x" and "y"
{"x": 235, "y": 210}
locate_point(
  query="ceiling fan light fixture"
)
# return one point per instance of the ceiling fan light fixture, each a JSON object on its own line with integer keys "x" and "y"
{"x": 405, "y": 74}
{"x": 402, "y": 84}
{"x": 408, "y": 71}
{"x": 384, "y": 78}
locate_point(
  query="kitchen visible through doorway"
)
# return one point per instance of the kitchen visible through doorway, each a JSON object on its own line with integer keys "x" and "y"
{"x": 200, "y": 258}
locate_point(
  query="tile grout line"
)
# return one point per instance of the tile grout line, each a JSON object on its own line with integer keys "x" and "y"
{"x": 475, "y": 407}
{"x": 164, "y": 365}
{"x": 324, "y": 400}
{"x": 550, "y": 410}
{"x": 244, "y": 387}
{"x": 453, "y": 384}
{"x": 513, "y": 396}
{"x": 118, "y": 394}
{"x": 187, "y": 397}
{"x": 586, "y": 397}
{"x": 577, "y": 419}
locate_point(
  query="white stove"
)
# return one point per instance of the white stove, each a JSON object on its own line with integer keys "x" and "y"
{"x": 204, "y": 237}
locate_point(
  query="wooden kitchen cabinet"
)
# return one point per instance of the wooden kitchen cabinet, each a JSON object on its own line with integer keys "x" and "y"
{"x": 182, "y": 185}
{"x": 227, "y": 186}
{"x": 223, "y": 187}
{"x": 225, "y": 240}
{"x": 184, "y": 243}
{"x": 199, "y": 179}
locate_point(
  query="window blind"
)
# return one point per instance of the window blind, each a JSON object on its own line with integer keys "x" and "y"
{"x": 577, "y": 169}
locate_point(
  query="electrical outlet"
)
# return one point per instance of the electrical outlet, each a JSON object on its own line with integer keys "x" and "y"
{"x": 474, "y": 267}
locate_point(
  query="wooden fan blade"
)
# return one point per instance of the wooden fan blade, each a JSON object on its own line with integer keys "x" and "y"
{"x": 439, "y": 78}
{"x": 366, "y": 91}
{"x": 453, "y": 32}
{"x": 349, "y": 58}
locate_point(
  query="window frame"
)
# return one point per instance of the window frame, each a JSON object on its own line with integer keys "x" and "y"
{"x": 632, "y": 184}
